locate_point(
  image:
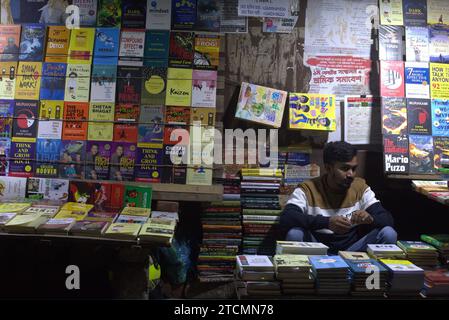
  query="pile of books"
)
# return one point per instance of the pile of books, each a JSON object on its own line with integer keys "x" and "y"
{"x": 303, "y": 248}
{"x": 385, "y": 251}
{"x": 158, "y": 230}
{"x": 261, "y": 209}
{"x": 294, "y": 272}
{"x": 331, "y": 275}
{"x": 436, "y": 283}
{"x": 441, "y": 242}
{"x": 421, "y": 254}
{"x": 360, "y": 273}
{"x": 405, "y": 278}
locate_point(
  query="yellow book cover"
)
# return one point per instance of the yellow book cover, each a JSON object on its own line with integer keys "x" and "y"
{"x": 77, "y": 206}
{"x": 81, "y": 46}
{"x": 125, "y": 230}
{"x": 312, "y": 111}
{"x": 134, "y": 211}
{"x": 78, "y": 215}
{"x": 13, "y": 207}
{"x": 57, "y": 44}
{"x": 207, "y": 47}
{"x": 28, "y": 81}
{"x": 263, "y": 172}
{"x": 29, "y": 220}
{"x": 179, "y": 87}
{"x": 101, "y": 121}
{"x": 199, "y": 175}
{"x": 437, "y": 12}
{"x": 158, "y": 228}
{"x": 8, "y": 76}
{"x": 50, "y": 119}
{"x": 439, "y": 87}
{"x": 391, "y": 12}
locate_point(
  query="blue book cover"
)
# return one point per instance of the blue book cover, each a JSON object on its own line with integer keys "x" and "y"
{"x": 439, "y": 43}
{"x": 5, "y": 147}
{"x": 22, "y": 159}
{"x": 208, "y": 15}
{"x": 421, "y": 154}
{"x": 34, "y": 11}
{"x": 183, "y": 14}
{"x": 6, "y": 116}
{"x": 72, "y": 156}
{"x": 47, "y": 158}
{"x": 327, "y": 262}
{"x": 298, "y": 158}
{"x": 360, "y": 266}
{"x": 107, "y": 45}
{"x": 53, "y": 81}
{"x": 417, "y": 80}
{"x": 415, "y": 12}
{"x": 440, "y": 117}
{"x": 149, "y": 165}
{"x": 104, "y": 82}
{"x": 32, "y": 42}
{"x": 157, "y": 45}
{"x": 151, "y": 126}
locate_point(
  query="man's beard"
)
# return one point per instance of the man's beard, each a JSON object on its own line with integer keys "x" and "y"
{"x": 346, "y": 183}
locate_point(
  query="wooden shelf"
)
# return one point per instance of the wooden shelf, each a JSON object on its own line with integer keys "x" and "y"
{"x": 418, "y": 176}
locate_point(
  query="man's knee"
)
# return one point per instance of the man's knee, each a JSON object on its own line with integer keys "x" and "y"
{"x": 295, "y": 234}
{"x": 388, "y": 235}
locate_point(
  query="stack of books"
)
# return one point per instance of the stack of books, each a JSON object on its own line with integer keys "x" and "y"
{"x": 294, "y": 272}
{"x": 5, "y": 217}
{"x": 56, "y": 226}
{"x": 77, "y": 211}
{"x": 25, "y": 223}
{"x": 405, "y": 278}
{"x": 436, "y": 283}
{"x": 353, "y": 256}
{"x": 261, "y": 209}
{"x": 304, "y": 248}
{"x": 87, "y": 228}
{"x": 123, "y": 231}
{"x": 331, "y": 275}
{"x": 158, "y": 230}
{"x": 134, "y": 215}
{"x": 441, "y": 242}
{"x": 360, "y": 273}
{"x": 49, "y": 211}
{"x": 421, "y": 254}
{"x": 385, "y": 251}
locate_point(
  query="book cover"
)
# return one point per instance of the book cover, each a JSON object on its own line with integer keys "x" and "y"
{"x": 88, "y": 12}
{"x": 75, "y": 120}
{"x": 107, "y": 45}
{"x": 156, "y": 46}
{"x": 132, "y": 46}
{"x": 391, "y": 12}
{"x": 208, "y": 15}
{"x": 417, "y": 80}
{"x": 440, "y": 117}
{"x": 9, "y": 42}
{"x": 22, "y": 161}
{"x": 183, "y": 14}
{"x": 149, "y": 165}
{"x": 104, "y": 82}
{"x": 154, "y": 85}
{"x": 98, "y": 157}
{"x": 32, "y": 42}
{"x": 50, "y": 119}
{"x": 421, "y": 154}
{"x": 202, "y": 120}
{"x": 439, "y": 87}
{"x": 439, "y": 43}
{"x": 396, "y": 158}
{"x": 8, "y": 76}
{"x": 25, "y": 122}
{"x": 57, "y": 48}
{"x": 123, "y": 231}
{"x": 109, "y": 13}
{"x": 390, "y": 43}
{"x": 125, "y": 132}
{"x": 56, "y": 226}
{"x": 72, "y": 155}
{"x": 137, "y": 197}
{"x": 129, "y": 84}
{"x": 158, "y": 15}
{"x": 392, "y": 78}
{"x": 47, "y": 158}
{"x": 28, "y": 81}
{"x": 12, "y": 188}
{"x": 89, "y": 228}
{"x": 306, "y": 111}
{"x": 151, "y": 126}
{"x": 81, "y": 46}
{"x": 417, "y": 44}
{"x": 6, "y": 118}
{"x": 415, "y": 13}
{"x": 419, "y": 116}
{"x": 176, "y": 118}
{"x": 77, "y": 87}
{"x": 207, "y": 52}
{"x": 179, "y": 87}
{"x": 199, "y": 175}
{"x": 441, "y": 150}
{"x": 173, "y": 155}
{"x": 123, "y": 160}
{"x": 437, "y": 12}
{"x": 48, "y": 189}
{"x": 134, "y": 14}
{"x": 5, "y": 148}
{"x": 53, "y": 81}
{"x": 181, "y": 50}
{"x": 394, "y": 116}
{"x": 101, "y": 121}
{"x": 204, "y": 88}
{"x": 31, "y": 11}
{"x": 103, "y": 216}
{"x": 125, "y": 127}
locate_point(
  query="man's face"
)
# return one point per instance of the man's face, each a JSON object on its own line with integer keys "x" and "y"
{"x": 94, "y": 149}
{"x": 119, "y": 151}
{"x": 343, "y": 173}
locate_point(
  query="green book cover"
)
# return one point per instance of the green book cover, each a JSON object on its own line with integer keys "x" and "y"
{"x": 138, "y": 196}
{"x": 437, "y": 240}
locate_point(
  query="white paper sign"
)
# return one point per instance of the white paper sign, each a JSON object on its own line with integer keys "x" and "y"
{"x": 265, "y": 8}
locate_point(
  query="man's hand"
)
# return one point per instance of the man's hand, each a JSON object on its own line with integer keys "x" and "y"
{"x": 361, "y": 217}
{"x": 339, "y": 224}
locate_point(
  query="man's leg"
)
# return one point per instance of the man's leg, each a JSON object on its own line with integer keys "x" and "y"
{"x": 299, "y": 234}
{"x": 386, "y": 235}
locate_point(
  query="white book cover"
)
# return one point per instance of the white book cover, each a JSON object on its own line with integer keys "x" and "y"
{"x": 204, "y": 88}
{"x": 55, "y": 189}
{"x": 417, "y": 44}
{"x": 88, "y": 12}
{"x": 384, "y": 248}
{"x": 165, "y": 215}
{"x": 254, "y": 261}
{"x": 77, "y": 86}
{"x": 296, "y": 244}
{"x": 12, "y": 188}
{"x": 132, "y": 46}
{"x": 49, "y": 129}
{"x": 158, "y": 15}
{"x": 417, "y": 80}
{"x": 6, "y": 217}
{"x": 104, "y": 83}
{"x": 402, "y": 267}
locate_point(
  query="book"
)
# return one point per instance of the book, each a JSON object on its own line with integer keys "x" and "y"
{"x": 183, "y": 14}
{"x": 101, "y": 121}
{"x": 306, "y": 248}
{"x": 109, "y": 13}
{"x": 97, "y": 160}
{"x": 14, "y": 207}
{"x": 103, "y": 216}
{"x": 87, "y": 11}
{"x": 179, "y": 87}
{"x": 440, "y": 117}
{"x": 132, "y": 46}
{"x": 8, "y": 76}
{"x": 158, "y": 15}
{"x": 417, "y": 44}
{"x": 401, "y": 266}
{"x": 81, "y": 46}
{"x": 131, "y": 219}
{"x": 199, "y": 175}
{"x": 394, "y": 116}
{"x": 25, "y": 122}
{"x": 56, "y": 226}
{"x": 151, "y": 126}
{"x": 30, "y": 11}
{"x": 103, "y": 85}
{"x": 139, "y": 197}
{"x": 5, "y": 148}
{"x": 6, "y": 118}
{"x": 154, "y": 85}
{"x": 32, "y": 42}
{"x": 207, "y": 51}
{"x": 107, "y": 45}
{"x": 168, "y": 215}
{"x": 177, "y": 120}
{"x": 396, "y": 158}
{"x": 208, "y": 15}
{"x": 417, "y": 80}
{"x": 47, "y": 158}
{"x": 129, "y": 84}
{"x": 203, "y": 120}
{"x": 75, "y": 120}
{"x": 28, "y": 80}
{"x": 124, "y": 231}
{"x": 174, "y": 160}
{"x": 392, "y": 78}
{"x": 25, "y": 223}
{"x": 76, "y": 211}
{"x": 5, "y": 218}
{"x": 9, "y": 42}
{"x": 149, "y": 165}
{"x": 439, "y": 43}
{"x": 88, "y": 228}
{"x": 48, "y": 189}
{"x": 125, "y": 129}
{"x": 353, "y": 256}
{"x": 122, "y": 162}
{"x": 157, "y": 230}
{"x": 12, "y": 188}
{"x": 77, "y": 87}
{"x": 306, "y": 111}
{"x": 421, "y": 154}
{"x": 437, "y": 12}
{"x": 254, "y": 263}
{"x": 46, "y": 210}
{"x": 156, "y": 46}
{"x": 439, "y": 87}
{"x": 57, "y": 48}
{"x": 391, "y": 12}
{"x": 72, "y": 159}
{"x": 390, "y": 43}
{"x": 441, "y": 150}
{"x": 415, "y": 13}
{"x": 204, "y": 88}
{"x": 134, "y": 14}
{"x": 53, "y": 81}
{"x": 419, "y": 116}
{"x": 136, "y": 211}
{"x": 181, "y": 50}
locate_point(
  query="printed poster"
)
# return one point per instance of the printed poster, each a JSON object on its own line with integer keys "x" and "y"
{"x": 362, "y": 123}
{"x": 312, "y": 112}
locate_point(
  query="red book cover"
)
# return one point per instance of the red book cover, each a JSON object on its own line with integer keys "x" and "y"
{"x": 392, "y": 79}
{"x": 76, "y": 129}
{"x": 125, "y": 132}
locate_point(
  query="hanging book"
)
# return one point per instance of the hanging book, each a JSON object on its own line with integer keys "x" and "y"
{"x": 104, "y": 79}
{"x": 312, "y": 112}
{"x": 204, "y": 88}
{"x": 123, "y": 159}
{"x": 72, "y": 155}
{"x": 107, "y": 45}
{"x": 8, "y": 76}
{"x": 9, "y": 42}
{"x": 208, "y": 15}
{"x": 181, "y": 50}
{"x": 53, "y": 81}
{"x": 88, "y": 12}
{"x": 391, "y": 12}
{"x": 154, "y": 85}
{"x": 207, "y": 52}
{"x": 101, "y": 121}
{"x": 47, "y": 158}
{"x": 50, "y": 119}
{"x": 6, "y": 118}
{"x": 419, "y": 116}
{"x": 158, "y": 14}
{"x": 440, "y": 117}
{"x": 109, "y": 13}
{"x": 390, "y": 43}
{"x": 421, "y": 154}
{"x": 134, "y": 14}
{"x": 437, "y": 12}
{"x": 415, "y": 13}
{"x": 439, "y": 43}
{"x": 98, "y": 156}
{"x": 132, "y": 46}
{"x": 199, "y": 175}
{"x": 396, "y": 159}
{"x": 81, "y": 46}
{"x": 25, "y": 123}
{"x": 151, "y": 126}
{"x": 417, "y": 80}
{"x": 183, "y": 14}
{"x": 441, "y": 150}
{"x": 28, "y": 81}
{"x": 149, "y": 165}
{"x": 77, "y": 86}
{"x": 179, "y": 87}
{"x": 156, "y": 46}
{"x": 75, "y": 120}
{"x": 57, "y": 49}
{"x": 23, "y": 159}
{"x": 417, "y": 44}
{"x": 394, "y": 116}
{"x": 32, "y": 42}
{"x": 391, "y": 78}
{"x": 439, "y": 87}
{"x": 129, "y": 84}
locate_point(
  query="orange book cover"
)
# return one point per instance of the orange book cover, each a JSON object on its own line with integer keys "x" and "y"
{"x": 76, "y": 115}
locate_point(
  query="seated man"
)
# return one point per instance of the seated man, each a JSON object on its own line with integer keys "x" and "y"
{"x": 337, "y": 208}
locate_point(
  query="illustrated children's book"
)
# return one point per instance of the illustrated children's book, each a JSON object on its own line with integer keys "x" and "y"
{"x": 312, "y": 112}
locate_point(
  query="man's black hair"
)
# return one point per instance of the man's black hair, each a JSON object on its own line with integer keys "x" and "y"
{"x": 338, "y": 151}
